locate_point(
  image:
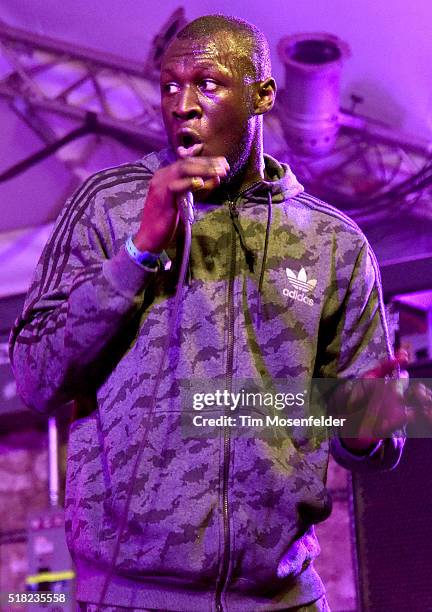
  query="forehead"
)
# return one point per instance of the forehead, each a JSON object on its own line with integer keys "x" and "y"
{"x": 225, "y": 52}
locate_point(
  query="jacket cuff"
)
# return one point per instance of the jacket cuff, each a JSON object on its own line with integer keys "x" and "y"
{"x": 384, "y": 456}
{"x": 126, "y": 276}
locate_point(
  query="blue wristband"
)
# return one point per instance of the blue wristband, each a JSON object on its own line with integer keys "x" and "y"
{"x": 143, "y": 258}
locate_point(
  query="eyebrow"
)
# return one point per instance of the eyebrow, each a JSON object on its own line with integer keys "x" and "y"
{"x": 204, "y": 65}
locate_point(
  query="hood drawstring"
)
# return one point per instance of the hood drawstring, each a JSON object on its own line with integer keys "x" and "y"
{"x": 189, "y": 275}
{"x": 264, "y": 258}
{"x": 250, "y": 256}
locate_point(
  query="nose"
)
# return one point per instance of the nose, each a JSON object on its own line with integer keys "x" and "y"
{"x": 187, "y": 106}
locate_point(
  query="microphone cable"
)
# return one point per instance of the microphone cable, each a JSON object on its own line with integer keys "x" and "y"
{"x": 186, "y": 208}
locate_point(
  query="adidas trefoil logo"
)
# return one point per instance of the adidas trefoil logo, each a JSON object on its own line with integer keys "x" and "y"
{"x": 302, "y": 286}
{"x": 301, "y": 282}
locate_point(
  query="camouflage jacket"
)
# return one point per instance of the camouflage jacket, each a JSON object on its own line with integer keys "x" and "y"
{"x": 215, "y": 523}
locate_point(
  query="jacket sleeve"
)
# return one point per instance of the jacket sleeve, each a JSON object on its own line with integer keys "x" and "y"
{"x": 79, "y": 299}
{"x": 360, "y": 340}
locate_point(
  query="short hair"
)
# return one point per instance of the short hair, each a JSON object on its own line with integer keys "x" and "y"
{"x": 256, "y": 51}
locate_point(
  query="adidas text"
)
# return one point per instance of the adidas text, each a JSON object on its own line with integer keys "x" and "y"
{"x": 299, "y": 297}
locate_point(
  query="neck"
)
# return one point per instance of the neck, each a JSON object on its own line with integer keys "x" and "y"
{"x": 250, "y": 172}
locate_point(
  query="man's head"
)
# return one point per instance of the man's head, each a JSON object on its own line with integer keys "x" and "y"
{"x": 251, "y": 46}
{"x": 215, "y": 86}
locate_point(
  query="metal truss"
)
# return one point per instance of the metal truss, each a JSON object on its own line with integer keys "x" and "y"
{"x": 68, "y": 80}
{"x": 372, "y": 171}
{"x": 103, "y": 93}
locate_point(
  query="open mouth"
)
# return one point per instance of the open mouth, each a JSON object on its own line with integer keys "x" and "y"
{"x": 188, "y": 143}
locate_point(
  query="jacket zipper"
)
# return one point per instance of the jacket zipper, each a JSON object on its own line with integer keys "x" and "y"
{"x": 226, "y": 452}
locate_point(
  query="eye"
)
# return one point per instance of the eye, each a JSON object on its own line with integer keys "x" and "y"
{"x": 208, "y": 85}
{"x": 171, "y": 88}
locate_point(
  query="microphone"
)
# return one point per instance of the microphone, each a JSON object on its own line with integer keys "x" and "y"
{"x": 185, "y": 205}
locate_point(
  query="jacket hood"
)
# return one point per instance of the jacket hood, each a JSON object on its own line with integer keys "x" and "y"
{"x": 279, "y": 180}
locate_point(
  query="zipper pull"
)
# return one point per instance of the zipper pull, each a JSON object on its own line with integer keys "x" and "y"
{"x": 232, "y": 208}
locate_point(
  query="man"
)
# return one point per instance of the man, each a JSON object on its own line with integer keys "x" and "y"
{"x": 223, "y": 522}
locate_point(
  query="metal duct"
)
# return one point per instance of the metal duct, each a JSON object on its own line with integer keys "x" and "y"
{"x": 313, "y": 65}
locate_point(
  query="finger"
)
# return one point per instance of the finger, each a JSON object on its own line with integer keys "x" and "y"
{"x": 384, "y": 425}
{"x": 402, "y": 355}
{"x": 419, "y": 396}
{"x": 211, "y": 184}
{"x": 220, "y": 159}
{"x": 205, "y": 167}
{"x": 203, "y": 172}
{"x": 387, "y": 367}
{"x": 193, "y": 183}
{"x": 385, "y": 411}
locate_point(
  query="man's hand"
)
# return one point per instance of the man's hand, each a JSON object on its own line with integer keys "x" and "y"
{"x": 160, "y": 217}
{"x": 375, "y": 407}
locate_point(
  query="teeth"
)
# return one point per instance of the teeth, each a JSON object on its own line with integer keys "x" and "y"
{"x": 189, "y": 151}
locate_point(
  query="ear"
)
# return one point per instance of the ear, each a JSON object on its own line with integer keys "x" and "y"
{"x": 265, "y": 95}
